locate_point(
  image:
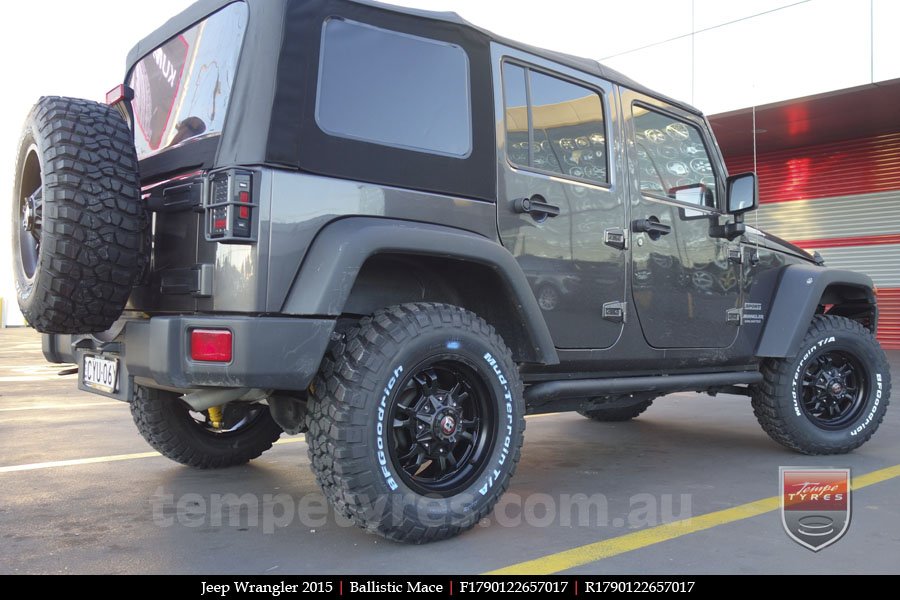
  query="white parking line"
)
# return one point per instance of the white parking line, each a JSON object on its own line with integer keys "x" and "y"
{"x": 104, "y": 459}
{"x": 77, "y": 461}
{"x": 30, "y": 378}
{"x": 61, "y": 406}
{"x": 117, "y": 457}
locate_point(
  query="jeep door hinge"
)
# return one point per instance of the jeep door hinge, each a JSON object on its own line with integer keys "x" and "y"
{"x": 734, "y": 316}
{"x": 614, "y": 311}
{"x": 615, "y": 238}
{"x": 736, "y": 255}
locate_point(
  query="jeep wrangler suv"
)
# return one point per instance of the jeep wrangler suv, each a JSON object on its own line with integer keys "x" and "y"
{"x": 400, "y": 234}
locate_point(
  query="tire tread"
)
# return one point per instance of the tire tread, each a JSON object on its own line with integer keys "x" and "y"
{"x": 338, "y": 413}
{"x": 770, "y": 408}
{"x": 95, "y": 237}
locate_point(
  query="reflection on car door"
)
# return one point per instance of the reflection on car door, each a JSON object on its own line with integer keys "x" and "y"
{"x": 560, "y": 198}
{"x": 685, "y": 286}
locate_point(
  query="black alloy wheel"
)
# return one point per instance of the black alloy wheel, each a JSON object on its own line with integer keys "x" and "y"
{"x": 30, "y": 211}
{"x": 236, "y": 417}
{"x": 834, "y": 389}
{"x": 443, "y": 427}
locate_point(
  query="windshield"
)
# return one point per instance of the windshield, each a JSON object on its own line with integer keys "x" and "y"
{"x": 181, "y": 89}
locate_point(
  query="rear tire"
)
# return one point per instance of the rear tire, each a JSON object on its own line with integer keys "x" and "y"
{"x": 165, "y": 421}
{"x": 832, "y": 396}
{"x": 416, "y": 422}
{"x": 80, "y": 229}
{"x": 614, "y": 414}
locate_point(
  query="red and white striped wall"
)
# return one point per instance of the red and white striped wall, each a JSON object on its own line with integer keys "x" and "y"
{"x": 842, "y": 199}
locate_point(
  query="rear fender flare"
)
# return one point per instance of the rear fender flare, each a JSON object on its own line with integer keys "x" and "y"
{"x": 335, "y": 258}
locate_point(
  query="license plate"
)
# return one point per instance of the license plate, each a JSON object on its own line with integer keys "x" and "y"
{"x": 100, "y": 373}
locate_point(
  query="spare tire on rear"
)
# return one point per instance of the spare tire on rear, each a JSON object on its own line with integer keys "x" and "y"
{"x": 80, "y": 230}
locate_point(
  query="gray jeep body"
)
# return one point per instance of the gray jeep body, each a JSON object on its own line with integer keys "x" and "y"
{"x": 342, "y": 227}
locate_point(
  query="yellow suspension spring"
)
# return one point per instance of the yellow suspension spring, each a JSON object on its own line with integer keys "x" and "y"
{"x": 215, "y": 416}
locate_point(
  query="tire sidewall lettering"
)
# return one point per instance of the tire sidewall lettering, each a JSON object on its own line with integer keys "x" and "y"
{"x": 507, "y": 422}
{"x": 879, "y": 393}
{"x": 807, "y": 355}
{"x": 386, "y": 469}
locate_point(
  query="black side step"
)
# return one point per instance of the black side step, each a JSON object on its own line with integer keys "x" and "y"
{"x": 550, "y": 391}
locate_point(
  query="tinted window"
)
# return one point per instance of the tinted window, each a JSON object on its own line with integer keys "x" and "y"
{"x": 672, "y": 157}
{"x": 566, "y": 123}
{"x": 394, "y": 89}
{"x": 181, "y": 89}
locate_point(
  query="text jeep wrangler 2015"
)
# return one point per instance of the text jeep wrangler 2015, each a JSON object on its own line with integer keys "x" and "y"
{"x": 399, "y": 233}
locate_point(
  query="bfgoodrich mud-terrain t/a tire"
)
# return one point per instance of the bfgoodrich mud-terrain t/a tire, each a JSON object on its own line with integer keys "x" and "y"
{"x": 832, "y": 396}
{"x": 80, "y": 234}
{"x": 168, "y": 424}
{"x": 416, "y": 422}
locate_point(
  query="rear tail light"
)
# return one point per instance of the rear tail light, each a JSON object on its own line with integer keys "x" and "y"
{"x": 229, "y": 207}
{"x": 120, "y": 93}
{"x": 211, "y": 345}
{"x": 119, "y": 98}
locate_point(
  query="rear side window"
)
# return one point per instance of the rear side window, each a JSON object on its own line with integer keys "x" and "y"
{"x": 394, "y": 89}
{"x": 553, "y": 125}
{"x": 182, "y": 88}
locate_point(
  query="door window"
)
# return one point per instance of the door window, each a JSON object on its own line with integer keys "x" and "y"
{"x": 672, "y": 160}
{"x": 554, "y": 126}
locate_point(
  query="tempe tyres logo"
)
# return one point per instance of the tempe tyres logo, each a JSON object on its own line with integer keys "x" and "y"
{"x": 815, "y": 505}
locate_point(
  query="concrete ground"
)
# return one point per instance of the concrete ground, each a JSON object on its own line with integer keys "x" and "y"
{"x": 81, "y": 492}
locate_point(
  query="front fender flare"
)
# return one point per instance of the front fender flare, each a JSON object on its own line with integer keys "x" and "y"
{"x": 800, "y": 288}
{"x": 342, "y": 247}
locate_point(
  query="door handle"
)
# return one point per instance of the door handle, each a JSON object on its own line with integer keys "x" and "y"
{"x": 651, "y": 226}
{"x": 536, "y": 206}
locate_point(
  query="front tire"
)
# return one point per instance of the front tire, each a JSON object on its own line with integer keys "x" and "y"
{"x": 831, "y": 397}
{"x": 171, "y": 428}
{"x": 416, "y": 422}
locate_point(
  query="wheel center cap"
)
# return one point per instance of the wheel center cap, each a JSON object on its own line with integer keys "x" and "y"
{"x": 836, "y": 388}
{"x": 448, "y": 425}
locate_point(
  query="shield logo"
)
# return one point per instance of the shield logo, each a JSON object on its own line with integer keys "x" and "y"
{"x": 815, "y": 505}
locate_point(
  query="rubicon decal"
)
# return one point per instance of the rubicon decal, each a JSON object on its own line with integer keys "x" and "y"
{"x": 815, "y": 505}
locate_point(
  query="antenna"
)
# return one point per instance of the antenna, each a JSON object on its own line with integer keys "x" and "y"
{"x": 755, "y": 170}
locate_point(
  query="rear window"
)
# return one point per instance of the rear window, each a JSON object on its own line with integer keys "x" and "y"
{"x": 181, "y": 89}
{"x": 394, "y": 89}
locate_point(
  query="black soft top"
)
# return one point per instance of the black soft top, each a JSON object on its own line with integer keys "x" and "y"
{"x": 199, "y": 10}
{"x": 271, "y": 115}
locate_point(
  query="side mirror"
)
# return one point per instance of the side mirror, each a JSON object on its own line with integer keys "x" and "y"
{"x": 742, "y": 195}
{"x": 695, "y": 193}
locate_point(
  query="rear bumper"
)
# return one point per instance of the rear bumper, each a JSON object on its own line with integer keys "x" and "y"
{"x": 268, "y": 352}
